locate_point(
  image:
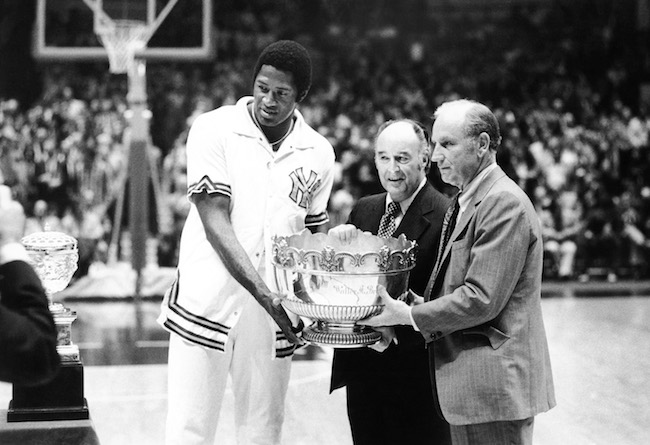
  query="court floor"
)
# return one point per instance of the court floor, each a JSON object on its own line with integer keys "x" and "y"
{"x": 600, "y": 352}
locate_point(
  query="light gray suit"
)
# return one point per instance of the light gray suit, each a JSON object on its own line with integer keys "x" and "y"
{"x": 483, "y": 318}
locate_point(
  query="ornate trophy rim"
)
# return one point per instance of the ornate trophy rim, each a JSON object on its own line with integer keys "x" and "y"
{"x": 49, "y": 242}
{"x": 305, "y": 251}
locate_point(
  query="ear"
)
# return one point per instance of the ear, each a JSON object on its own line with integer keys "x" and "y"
{"x": 483, "y": 144}
{"x": 425, "y": 156}
{"x": 301, "y": 97}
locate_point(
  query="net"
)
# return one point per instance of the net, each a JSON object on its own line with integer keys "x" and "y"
{"x": 122, "y": 39}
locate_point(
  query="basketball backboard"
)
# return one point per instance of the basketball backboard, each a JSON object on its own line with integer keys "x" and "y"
{"x": 65, "y": 29}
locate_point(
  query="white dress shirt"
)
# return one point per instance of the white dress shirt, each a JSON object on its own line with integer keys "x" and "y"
{"x": 405, "y": 204}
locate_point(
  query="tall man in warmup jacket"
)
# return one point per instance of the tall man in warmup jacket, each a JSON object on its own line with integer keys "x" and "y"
{"x": 255, "y": 169}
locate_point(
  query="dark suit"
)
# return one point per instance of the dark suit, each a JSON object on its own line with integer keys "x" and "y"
{"x": 28, "y": 340}
{"x": 389, "y": 394}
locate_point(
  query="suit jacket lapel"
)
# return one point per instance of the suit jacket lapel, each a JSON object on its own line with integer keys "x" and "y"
{"x": 467, "y": 215}
{"x": 369, "y": 213}
{"x": 415, "y": 221}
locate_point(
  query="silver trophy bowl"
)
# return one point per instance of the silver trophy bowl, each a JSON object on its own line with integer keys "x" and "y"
{"x": 335, "y": 283}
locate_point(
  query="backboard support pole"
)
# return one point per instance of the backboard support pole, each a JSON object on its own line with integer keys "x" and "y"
{"x": 129, "y": 38}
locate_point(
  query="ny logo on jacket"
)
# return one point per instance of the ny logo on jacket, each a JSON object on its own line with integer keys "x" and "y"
{"x": 303, "y": 188}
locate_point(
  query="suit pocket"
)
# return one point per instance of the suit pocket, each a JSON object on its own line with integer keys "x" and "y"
{"x": 495, "y": 337}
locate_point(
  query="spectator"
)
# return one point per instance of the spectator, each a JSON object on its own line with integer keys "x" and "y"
{"x": 28, "y": 337}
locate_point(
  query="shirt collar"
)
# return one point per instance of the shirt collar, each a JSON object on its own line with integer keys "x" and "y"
{"x": 405, "y": 204}
{"x": 468, "y": 192}
{"x": 246, "y": 126}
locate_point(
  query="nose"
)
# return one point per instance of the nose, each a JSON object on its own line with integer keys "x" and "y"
{"x": 436, "y": 155}
{"x": 393, "y": 165}
{"x": 268, "y": 99}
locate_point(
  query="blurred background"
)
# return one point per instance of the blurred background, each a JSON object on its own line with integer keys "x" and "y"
{"x": 569, "y": 81}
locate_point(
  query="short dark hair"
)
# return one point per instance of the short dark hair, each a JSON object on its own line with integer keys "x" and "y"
{"x": 289, "y": 56}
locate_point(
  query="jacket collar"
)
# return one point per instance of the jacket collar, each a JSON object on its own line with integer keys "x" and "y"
{"x": 482, "y": 190}
{"x": 298, "y": 139}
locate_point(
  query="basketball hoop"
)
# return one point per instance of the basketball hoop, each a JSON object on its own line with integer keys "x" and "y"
{"x": 122, "y": 39}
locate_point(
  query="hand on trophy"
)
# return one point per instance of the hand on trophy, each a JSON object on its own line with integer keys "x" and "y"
{"x": 346, "y": 233}
{"x": 387, "y": 337}
{"x": 276, "y": 311}
{"x": 395, "y": 312}
{"x": 411, "y": 298}
{"x": 12, "y": 217}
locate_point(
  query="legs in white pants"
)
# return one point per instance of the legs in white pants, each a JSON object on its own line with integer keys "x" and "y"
{"x": 259, "y": 383}
{"x": 197, "y": 382}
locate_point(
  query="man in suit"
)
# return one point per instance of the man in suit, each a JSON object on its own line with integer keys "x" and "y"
{"x": 28, "y": 340}
{"x": 481, "y": 314}
{"x": 389, "y": 394}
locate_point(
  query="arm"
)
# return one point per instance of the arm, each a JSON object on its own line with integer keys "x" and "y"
{"x": 495, "y": 260}
{"x": 28, "y": 337}
{"x": 214, "y": 210}
{"x": 484, "y": 273}
{"x": 209, "y": 190}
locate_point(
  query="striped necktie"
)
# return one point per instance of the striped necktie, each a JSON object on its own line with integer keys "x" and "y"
{"x": 448, "y": 224}
{"x": 387, "y": 224}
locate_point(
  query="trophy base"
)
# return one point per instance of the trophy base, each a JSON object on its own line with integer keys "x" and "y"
{"x": 359, "y": 337}
{"x": 51, "y": 413}
{"x": 59, "y": 399}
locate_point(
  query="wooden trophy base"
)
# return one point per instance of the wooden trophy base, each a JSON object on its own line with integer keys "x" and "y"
{"x": 60, "y": 399}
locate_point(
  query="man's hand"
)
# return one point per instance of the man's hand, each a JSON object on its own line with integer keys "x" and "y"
{"x": 411, "y": 298}
{"x": 12, "y": 217}
{"x": 276, "y": 311}
{"x": 346, "y": 233}
{"x": 387, "y": 337}
{"x": 395, "y": 312}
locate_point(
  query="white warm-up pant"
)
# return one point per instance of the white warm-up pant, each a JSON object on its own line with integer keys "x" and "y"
{"x": 197, "y": 382}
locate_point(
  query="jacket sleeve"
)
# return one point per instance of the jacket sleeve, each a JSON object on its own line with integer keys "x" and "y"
{"x": 483, "y": 271}
{"x": 28, "y": 336}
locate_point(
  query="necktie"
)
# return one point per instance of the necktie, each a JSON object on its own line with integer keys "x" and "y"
{"x": 387, "y": 224}
{"x": 448, "y": 224}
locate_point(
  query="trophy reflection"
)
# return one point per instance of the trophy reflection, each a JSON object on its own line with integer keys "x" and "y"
{"x": 54, "y": 256}
{"x": 335, "y": 283}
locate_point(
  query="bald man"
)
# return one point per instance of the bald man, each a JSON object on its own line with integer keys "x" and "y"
{"x": 389, "y": 393}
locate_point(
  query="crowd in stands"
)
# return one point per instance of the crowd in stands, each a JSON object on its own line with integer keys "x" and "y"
{"x": 575, "y": 136}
